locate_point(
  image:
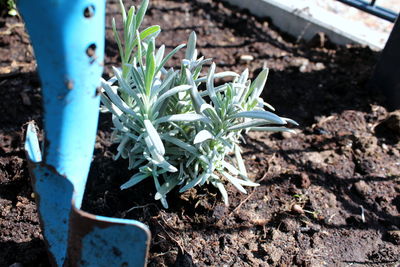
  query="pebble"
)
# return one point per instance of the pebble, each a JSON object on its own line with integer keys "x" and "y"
{"x": 286, "y": 135}
{"x": 246, "y": 58}
{"x": 319, "y": 66}
{"x": 305, "y": 180}
{"x": 297, "y": 209}
{"x": 362, "y": 188}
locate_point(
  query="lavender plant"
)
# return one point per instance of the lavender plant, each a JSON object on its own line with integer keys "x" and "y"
{"x": 164, "y": 124}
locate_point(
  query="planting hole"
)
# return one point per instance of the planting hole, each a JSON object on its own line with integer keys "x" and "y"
{"x": 89, "y": 11}
{"x": 91, "y": 50}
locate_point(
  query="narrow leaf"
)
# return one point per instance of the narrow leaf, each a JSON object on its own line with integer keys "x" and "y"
{"x": 170, "y": 54}
{"x": 190, "y": 51}
{"x": 202, "y": 136}
{"x": 218, "y": 75}
{"x": 181, "y": 144}
{"x": 260, "y": 114}
{"x": 135, "y": 179}
{"x": 273, "y": 129}
{"x": 247, "y": 124}
{"x": 155, "y": 138}
{"x": 140, "y": 13}
{"x": 187, "y": 117}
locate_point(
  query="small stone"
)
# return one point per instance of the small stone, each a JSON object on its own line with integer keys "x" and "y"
{"x": 394, "y": 236}
{"x": 304, "y": 180}
{"x": 362, "y": 188}
{"x": 297, "y": 209}
{"x": 319, "y": 66}
{"x": 246, "y": 58}
{"x": 303, "y": 68}
{"x": 286, "y": 135}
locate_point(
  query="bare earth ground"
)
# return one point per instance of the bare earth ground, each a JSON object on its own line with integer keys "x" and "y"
{"x": 329, "y": 196}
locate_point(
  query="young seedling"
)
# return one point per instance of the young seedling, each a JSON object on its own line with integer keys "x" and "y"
{"x": 171, "y": 131}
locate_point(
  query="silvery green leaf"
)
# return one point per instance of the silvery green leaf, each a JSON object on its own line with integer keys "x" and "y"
{"x": 121, "y": 146}
{"x": 187, "y": 117}
{"x": 240, "y": 162}
{"x": 123, "y": 11}
{"x": 117, "y": 100}
{"x": 160, "y": 55}
{"x": 234, "y": 182}
{"x": 131, "y": 135}
{"x": 166, "y": 188}
{"x": 194, "y": 93}
{"x": 135, "y": 179}
{"x": 190, "y": 160}
{"x": 170, "y": 54}
{"x": 192, "y": 183}
{"x": 260, "y": 114}
{"x": 191, "y": 48}
{"x": 247, "y": 124}
{"x": 244, "y": 76}
{"x": 230, "y": 168}
{"x": 117, "y": 123}
{"x": 211, "y": 112}
{"x": 129, "y": 26}
{"x": 155, "y": 87}
{"x": 140, "y": 13}
{"x": 165, "y": 165}
{"x": 150, "y": 68}
{"x": 136, "y": 163}
{"x": 117, "y": 39}
{"x": 170, "y": 92}
{"x": 291, "y": 121}
{"x": 273, "y": 129}
{"x": 247, "y": 182}
{"x": 186, "y": 62}
{"x": 181, "y": 144}
{"x": 218, "y": 75}
{"x": 121, "y": 80}
{"x": 223, "y": 192}
{"x": 156, "y": 158}
{"x": 225, "y": 143}
{"x": 180, "y": 129}
{"x": 257, "y": 86}
{"x": 269, "y": 106}
{"x": 155, "y": 138}
{"x": 202, "y": 136}
{"x": 110, "y": 106}
{"x": 210, "y": 86}
{"x": 150, "y": 32}
{"x": 139, "y": 55}
{"x": 205, "y": 178}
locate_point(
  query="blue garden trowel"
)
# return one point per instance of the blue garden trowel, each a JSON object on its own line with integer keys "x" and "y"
{"x": 68, "y": 39}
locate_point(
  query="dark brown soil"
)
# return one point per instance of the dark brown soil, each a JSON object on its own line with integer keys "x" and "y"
{"x": 329, "y": 196}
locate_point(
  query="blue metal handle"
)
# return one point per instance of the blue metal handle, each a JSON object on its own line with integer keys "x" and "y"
{"x": 68, "y": 39}
{"x": 69, "y": 49}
